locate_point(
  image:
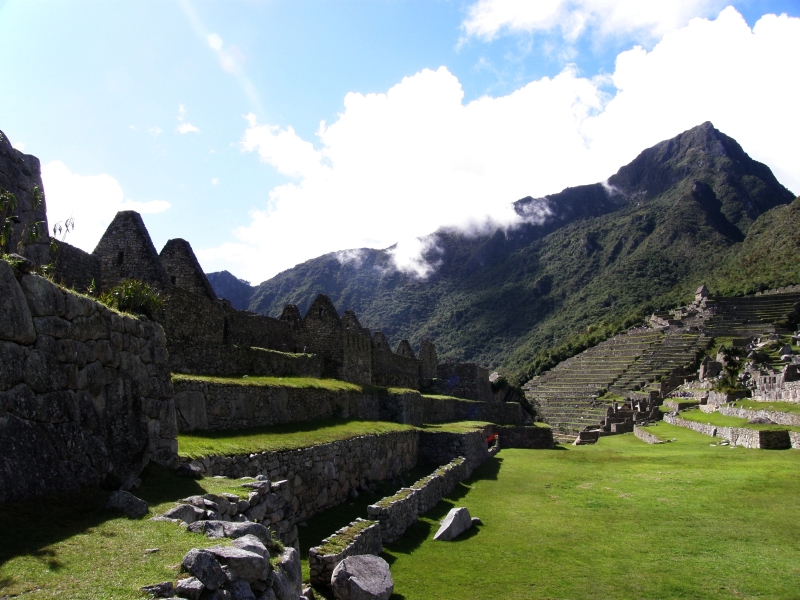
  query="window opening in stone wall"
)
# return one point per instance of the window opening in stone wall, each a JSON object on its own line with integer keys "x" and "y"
{"x": 173, "y": 279}
{"x": 120, "y": 257}
{"x": 321, "y": 312}
{"x": 226, "y": 331}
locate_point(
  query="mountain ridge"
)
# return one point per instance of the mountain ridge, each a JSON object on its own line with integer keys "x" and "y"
{"x": 597, "y": 255}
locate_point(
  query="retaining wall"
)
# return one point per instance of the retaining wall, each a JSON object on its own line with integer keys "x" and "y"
{"x": 646, "y": 436}
{"x": 85, "y": 393}
{"x": 511, "y": 436}
{"x": 440, "y": 447}
{"x": 739, "y": 436}
{"x": 443, "y": 410}
{"x": 321, "y": 476}
{"x": 780, "y": 418}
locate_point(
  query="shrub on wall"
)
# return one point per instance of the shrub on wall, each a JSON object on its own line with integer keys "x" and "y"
{"x": 132, "y": 295}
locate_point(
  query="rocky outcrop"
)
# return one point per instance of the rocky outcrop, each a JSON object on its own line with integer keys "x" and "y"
{"x": 363, "y": 577}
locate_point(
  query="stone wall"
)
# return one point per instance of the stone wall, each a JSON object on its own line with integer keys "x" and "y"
{"x": 794, "y": 438}
{"x": 21, "y": 174}
{"x": 204, "y": 405}
{"x": 229, "y": 360}
{"x": 365, "y": 538}
{"x": 443, "y": 410}
{"x": 738, "y": 436}
{"x": 75, "y": 268}
{"x": 780, "y": 418}
{"x": 465, "y": 380}
{"x": 440, "y": 447}
{"x": 390, "y": 369}
{"x": 85, "y": 393}
{"x": 540, "y": 438}
{"x": 321, "y": 476}
{"x": 646, "y": 436}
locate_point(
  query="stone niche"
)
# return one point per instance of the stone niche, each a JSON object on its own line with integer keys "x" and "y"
{"x": 85, "y": 392}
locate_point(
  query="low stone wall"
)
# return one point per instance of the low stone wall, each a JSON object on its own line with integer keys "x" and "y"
{"x": 205, "y": 405}
{"x": 229, "y": 360}
{"x": 645, "y": 436}
{"x": 85, "y": 393}
{"x": 540, "y": 438}
{"x": 738, "y": 436}
{"x": 780, "y": 418}
{"x": 395, "y": 514}
{"x": 680, "y": 404}
{"x": 321, "y": 476}
{"x": 794, "y": 438}
{"x": 789, "y": 392}
{"x": 444, "y": 410}
{"x": 365, "y": 538}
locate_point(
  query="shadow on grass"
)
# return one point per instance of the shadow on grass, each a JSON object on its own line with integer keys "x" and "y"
{"x": 29, "y": 527}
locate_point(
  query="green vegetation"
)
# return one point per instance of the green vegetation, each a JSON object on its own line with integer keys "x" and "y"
{"x": 134, "y": 296}
{"x": 334, "y": 385}
{"x": 719, "y": 420}
{"x": 8, "y": 217}
{"x": 456, "y": 426}
{"x": 68, "y": 546}
{"x": 618, "y": 520}
{"x": 279, "y": 437}
{"x": 400, "y": 495}
{"x": 337, "y": 543}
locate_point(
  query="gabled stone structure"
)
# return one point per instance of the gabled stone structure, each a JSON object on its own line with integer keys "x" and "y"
{"x": 205, "y": 335}
{"x": 126, "y": 252}
{"x": 183, "y": 269}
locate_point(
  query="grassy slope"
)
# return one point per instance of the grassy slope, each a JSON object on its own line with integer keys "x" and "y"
{"x": 622, "y": 519}
{"x": 719, "y": 420}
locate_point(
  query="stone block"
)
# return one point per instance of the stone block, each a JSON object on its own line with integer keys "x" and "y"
{"x": 16, "y": 322}
{"x": 12, "y": 363}
{"x": 44, "y": 298}
{"x": 43, "y": 373}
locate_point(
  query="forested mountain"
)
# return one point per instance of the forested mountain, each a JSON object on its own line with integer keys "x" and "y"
{"x": 581, "y": 264}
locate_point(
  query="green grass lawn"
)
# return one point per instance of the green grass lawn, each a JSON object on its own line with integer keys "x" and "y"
{"x": 618, "y": 520}
{"x": 719, "y": 420}
{"x": 279, "y": 437}
{"x": 788, "y": 407}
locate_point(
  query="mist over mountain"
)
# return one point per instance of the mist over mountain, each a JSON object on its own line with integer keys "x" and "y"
{"x": 593, "y": 257}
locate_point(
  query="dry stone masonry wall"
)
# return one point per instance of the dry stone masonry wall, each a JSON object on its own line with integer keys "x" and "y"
{"x": 362, "y": 537}
{"x": 738, "y": 436}
{"x": 85, "y": 393}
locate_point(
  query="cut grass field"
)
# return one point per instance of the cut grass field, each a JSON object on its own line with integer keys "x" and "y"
{"x": 618, "y": 520}
{"x": 719, "y": 420}
{"x": 279, "y": 437}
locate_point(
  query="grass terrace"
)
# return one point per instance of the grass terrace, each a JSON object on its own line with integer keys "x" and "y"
{"x": 335, "y": 385}
{"x": 279, "y": 437}
{"x": 787, "y": 407}
{"x": 719, "y": 420}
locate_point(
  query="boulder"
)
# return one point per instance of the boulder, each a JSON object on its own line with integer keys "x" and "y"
{"x": 205, "y": 567}
{"x": 242, "y": 563}
{"x": 190, "y": 587}
{"x": 364, "y": 577}
{"x": 454, "y": 524}
{"x": 189, "y": 471}
{"x": 233, "y": 530}
{"x": 133, "y": 507}
{"x": 252, "y": 544}
{"x": 287, "y": 578}
{"x": 185, "y": 512}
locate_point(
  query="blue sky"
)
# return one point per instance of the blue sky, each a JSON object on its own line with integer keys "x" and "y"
{"x": 206, "y": 116}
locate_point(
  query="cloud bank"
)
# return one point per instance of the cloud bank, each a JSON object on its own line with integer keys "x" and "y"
{"x": 92, "y": 200}
{"x": 395, "y": 166}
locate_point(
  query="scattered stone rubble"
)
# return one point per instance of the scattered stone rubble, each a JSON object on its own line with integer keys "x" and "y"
{"x": 456, "y": 522}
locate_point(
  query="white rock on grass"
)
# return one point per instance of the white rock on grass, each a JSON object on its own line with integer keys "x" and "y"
{"x": 454, "y": 524}
{"x": 364, "y": 577}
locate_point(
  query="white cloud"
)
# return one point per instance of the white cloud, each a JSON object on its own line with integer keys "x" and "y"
{"x": 214, "y": 41}
{"x": 19, "y": 146}
{"x": 92, "y": 200}
{"x": 184, "y": 127}
{"x": 396, "y": 166}
{"x": 215, "y": 181}
{"x": 187, "y": 128}
{"x": 644, "y": 20}
{"x": 154, "y": 131}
